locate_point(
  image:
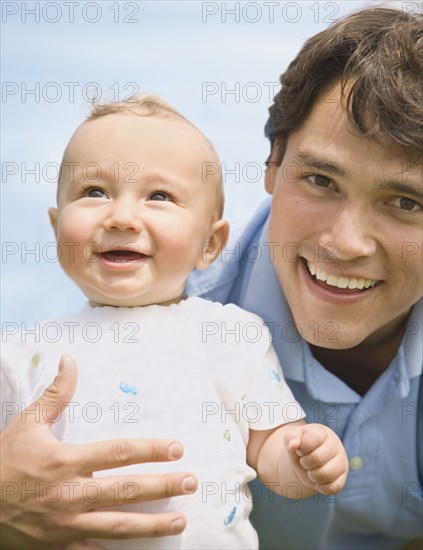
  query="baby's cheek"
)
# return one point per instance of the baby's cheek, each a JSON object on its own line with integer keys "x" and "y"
{"x": 72, "y": 229}
{"x": 184, "y": 247}
{"x": 71, "y": 243}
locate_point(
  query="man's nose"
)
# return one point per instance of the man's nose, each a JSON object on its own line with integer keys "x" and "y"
{"x": 349, "y": 234}
{"x": 124, "y": 215}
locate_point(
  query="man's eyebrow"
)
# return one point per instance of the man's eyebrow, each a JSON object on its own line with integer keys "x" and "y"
{"x": 320, "y": 164}
{"x": 400, "y": 187}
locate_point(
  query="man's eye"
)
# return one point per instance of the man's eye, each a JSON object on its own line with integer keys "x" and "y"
{"x": 409, "y": 205}
{"x": 321, "y": 181}
{"x": 159, "y": 196}
{"x": 318, "y": 180}
{"x": 95, "y": 193}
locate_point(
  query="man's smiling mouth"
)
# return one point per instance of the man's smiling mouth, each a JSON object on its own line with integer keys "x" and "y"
{"x": 350, "y": 283}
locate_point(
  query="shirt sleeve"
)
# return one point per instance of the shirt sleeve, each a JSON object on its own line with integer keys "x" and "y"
{"x": 269, "y": 402}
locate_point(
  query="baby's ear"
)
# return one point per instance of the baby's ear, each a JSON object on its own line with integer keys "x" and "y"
{"x": 214, "y": 246}
{"x": 52, "y": 214}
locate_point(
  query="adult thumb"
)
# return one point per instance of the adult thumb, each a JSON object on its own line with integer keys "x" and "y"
{"x": 51, "y": 404}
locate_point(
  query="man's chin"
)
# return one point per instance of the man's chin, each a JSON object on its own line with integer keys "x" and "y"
{"x": 330, "y": 335}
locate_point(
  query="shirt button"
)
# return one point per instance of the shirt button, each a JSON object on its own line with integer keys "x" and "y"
{"x": 356, "y": 462}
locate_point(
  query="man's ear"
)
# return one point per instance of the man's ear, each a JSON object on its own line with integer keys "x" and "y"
{"x": 52, "y": 214}
{"x": 272, "y": 165}
{"x": 270, "y": 177}
{"x": 214, "y": 246}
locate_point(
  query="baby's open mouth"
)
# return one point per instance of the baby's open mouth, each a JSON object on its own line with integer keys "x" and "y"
{"x": 120, "y": 256}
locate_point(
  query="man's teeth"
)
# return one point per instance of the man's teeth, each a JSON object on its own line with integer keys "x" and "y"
{"x": 340, "y": 282}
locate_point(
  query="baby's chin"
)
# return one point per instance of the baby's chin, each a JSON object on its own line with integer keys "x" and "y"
{"x": 131, "y": 302}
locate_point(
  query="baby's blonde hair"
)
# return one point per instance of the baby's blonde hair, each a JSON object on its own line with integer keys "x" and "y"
{"x": 141, "y": 104}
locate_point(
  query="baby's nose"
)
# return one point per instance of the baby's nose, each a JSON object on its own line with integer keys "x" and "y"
{"x": 124, "y": 215}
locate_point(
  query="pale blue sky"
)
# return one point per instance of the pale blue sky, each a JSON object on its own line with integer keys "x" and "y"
{"x": 180, "y": 50}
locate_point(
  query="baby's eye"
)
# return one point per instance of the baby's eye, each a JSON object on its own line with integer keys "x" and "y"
{"x": 160, "y": 196}
{"x": 407, "y": 204}
{"x": 95, "y": 193}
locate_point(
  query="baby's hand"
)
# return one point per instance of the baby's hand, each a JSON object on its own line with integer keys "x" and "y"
{"x": 318, "y": 457}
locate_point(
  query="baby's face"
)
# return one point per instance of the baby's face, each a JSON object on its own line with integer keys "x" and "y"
{"x": 134, "y": 215}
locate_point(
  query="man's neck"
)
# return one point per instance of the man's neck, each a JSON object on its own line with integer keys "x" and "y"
{"x": 359, "y": 367}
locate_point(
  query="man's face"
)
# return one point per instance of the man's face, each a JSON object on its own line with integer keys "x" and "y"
{"x": 133, "y": 211}
{"x": 346, "y": 230}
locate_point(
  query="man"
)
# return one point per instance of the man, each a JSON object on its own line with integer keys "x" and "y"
{"x": 334, "y": 268}
{"x": 345, "y": 172}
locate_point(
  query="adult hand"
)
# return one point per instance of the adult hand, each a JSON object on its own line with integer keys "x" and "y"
{"x": 45, "y": 482}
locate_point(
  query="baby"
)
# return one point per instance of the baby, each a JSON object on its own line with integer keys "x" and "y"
{"x": 139, "y": 206}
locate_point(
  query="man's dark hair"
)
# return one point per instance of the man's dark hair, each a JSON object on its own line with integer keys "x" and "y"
{"x": 376, "y": 55}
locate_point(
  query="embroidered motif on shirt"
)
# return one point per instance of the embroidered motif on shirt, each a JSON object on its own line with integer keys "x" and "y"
{"x": 35, "y": 361}
{"x": 274, "y": 375}
{"x": 227, "y": 435}
{"x": 126, "y": 388}
{"x": 230, "y": 517}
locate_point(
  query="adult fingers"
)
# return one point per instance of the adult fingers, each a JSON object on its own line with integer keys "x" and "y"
{"x": 83, "y": 545}
{"x": 105, "y": 455}
{"x": 126, "y": 525}
{"x": 52, "y": 402}
{"x": 112, "y": 491}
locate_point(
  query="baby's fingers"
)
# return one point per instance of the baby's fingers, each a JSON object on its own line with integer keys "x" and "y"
{"x": 313, "y": 436}
{"x": 318, "y": 457}
{"x": 293, "y": 439}
{"x": 330, "y": 478}
{"x": 326, "y": 484}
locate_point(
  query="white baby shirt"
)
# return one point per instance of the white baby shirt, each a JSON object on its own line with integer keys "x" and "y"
{"x": 196, "y": 371}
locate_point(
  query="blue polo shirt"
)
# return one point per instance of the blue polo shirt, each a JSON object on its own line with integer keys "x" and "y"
{"x": 381, "y": 506}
